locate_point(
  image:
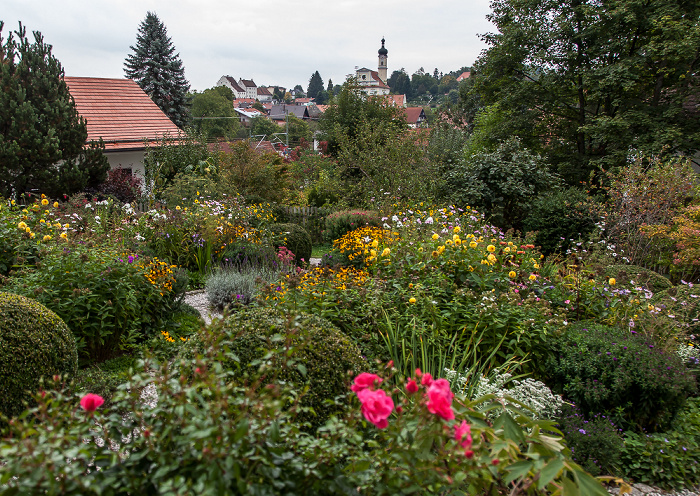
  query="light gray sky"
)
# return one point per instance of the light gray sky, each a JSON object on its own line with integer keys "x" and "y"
{"x": 273, "y": 42}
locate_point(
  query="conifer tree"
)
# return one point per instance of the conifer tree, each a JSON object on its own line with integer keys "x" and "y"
{"x": 315, "y": 85}
{"x": 42, "y": 137}
{"x": 158, "y": 70}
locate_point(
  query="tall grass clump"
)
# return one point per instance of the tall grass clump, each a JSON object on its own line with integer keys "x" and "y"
{"x": 238, "y": 284}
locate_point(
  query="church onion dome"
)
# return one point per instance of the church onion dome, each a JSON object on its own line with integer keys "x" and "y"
{"x": 382, "y": 50}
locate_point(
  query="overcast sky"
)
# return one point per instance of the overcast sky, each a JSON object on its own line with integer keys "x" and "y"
{"x": 270, "y": 41}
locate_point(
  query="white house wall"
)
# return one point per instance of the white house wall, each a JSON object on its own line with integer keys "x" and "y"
{"x": 127, "y": 160}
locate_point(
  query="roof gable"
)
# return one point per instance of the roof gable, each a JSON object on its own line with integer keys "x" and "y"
{"x": 119, "y": 112}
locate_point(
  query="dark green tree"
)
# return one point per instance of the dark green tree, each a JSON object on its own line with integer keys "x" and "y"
{"x": 298, "y": 129}
{"x": 213, "y": 114}
{"x": 322, "y": 97}
{"x": 156, "y": 67}
{"x": 400, "y": 83}
{"x": 587, "y": 83}
{"x": 315, "y": 85}
{"x": 329, "y": 89}
{"x": 42, "y": 137}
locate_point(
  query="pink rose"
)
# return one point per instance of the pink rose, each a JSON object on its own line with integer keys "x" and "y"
{"x": 427, "y": 379}
{"x": 463, "y": 435}
{"x": 376, "y": 406}
{"x": 440, "y": 399}
{"x": 411, "y": 386}
{"x": 91, "y": 402}
{"x": 365, "y": 380}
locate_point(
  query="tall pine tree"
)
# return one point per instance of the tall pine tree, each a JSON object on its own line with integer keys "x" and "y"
{"x": 156, "y": 67}
{"x": 315, "y": 85}
{"x": 42, "y": 137}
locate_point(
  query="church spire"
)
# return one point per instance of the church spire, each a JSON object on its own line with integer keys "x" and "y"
{"x": 382, "y": 68}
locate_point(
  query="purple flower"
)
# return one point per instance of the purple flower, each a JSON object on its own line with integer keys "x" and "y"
{"x": 131, "y": 259}
{"x": 582, "y": 431}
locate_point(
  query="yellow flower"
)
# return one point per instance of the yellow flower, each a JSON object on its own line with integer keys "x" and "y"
{"x": 492, "y": 258}
{"x": 386, "y": 252}
{"x": 46, "y": 212}
{"x": 472, "y": 244}
{"x": 66, "y": 226}
{"x": 506, "y": 249}
{"x": 440, "y": 249}
{"x": 373, "y": 253}
{"x": 448, "y": 242}
{"x": 455, "y": 238}
{"x": 537, "y": 266}
{"x": 55, "y": 204}
{"x": 22, "y": 226}
{"x": 457, "y": 230}
{"x": 375, "y": 243}
{"x": 410, "y": 285}
{"x": 512, "y": 274}
{"x": 31, "y": 235}
{"x": 510, "y": 243}
{"x": 411, "y": 300}
{"x": 435, "y": 254}
{"x": 491, "y": 248}
{"x": 197, "y": 193}
{"x": 64, "y": 235}
{"x": 612, "y": 281}
{"x": 28, "y": 229}
{"x": 43, "y": 195}
{"x": 47, "y": 238}
{"x": 532, "y": 277}
{"x": 177, "y": 208}
{"x": 458, "y": 242}
{"x": 44, "y": 202}
{"x": 435, "y": 237}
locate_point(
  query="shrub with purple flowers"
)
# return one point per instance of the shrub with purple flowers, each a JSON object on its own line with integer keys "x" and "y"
{"x": 620, "y": 373}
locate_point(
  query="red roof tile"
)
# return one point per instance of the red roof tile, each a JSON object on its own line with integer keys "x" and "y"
{"x": 119, "y": 112}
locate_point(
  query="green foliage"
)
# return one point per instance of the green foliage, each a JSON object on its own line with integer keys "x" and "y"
{"x": 400, "y": 83}
{"x": 295, "y": 238}
{"x": 446, "y": 145}
{"x": 263, "y": 176}
{"x": 321, "y": 355}
{"x": 502, "y": 184}
{"x": 210, "y": 104}
{"x": 350, "y": 111}
{"x": 42, "y": 137}
{"x": 158, "y": 70}
{"x": 621, "y": 374}
{"x": 342, "y": 222}
{"x": 587, "y": 83}
{"x": 105, "y": 378}
{"x": 315, "y": 85}
{"x": 634, "y": 276}
{"x": 262, "y": 126}
{"x": 184, "y": 189}
{"x": 35, "y": 344}
{"x": 235, "y": 285}
{"x": 108, "y": 298}
{"x": 667, "y": 459}
{"x": 561, "y": 218}
{"x": 173, "y": 155}
{"x": 595, "y": 442}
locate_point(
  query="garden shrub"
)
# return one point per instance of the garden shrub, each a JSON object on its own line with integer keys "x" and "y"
{"x": 243, "y": 253}
{"x": 632, "y": 276}
{"x": 34, "y": 344}
{"x": 108, "y": 298}
{"x": 340, "y": 223}
{"x": 621, "y": 374}
{"x": 104, "y": 378}
{"x": 186, "y": 188}
{"x": 237, "y": 284}
{"x": 595, "y": 443}
{"x": 122, "y": 185}
{"x": 322, "y": 354}
{"x": 560, "y": 218}
{"x": 669, "y": 459}
{"x": 295, "y": 238}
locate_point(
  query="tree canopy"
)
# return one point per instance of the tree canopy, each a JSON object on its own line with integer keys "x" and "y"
{"x": 42, "y": 137}
{"x": 158, "y": 70}
{"x": 213, "y": 113}
{"x": 587, "y": 83}
{"x": 315, "y": 85}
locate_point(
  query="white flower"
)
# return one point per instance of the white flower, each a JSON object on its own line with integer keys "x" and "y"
{"x": 88, "y": 205}
{"x": 429, "y": 220}
{"x": 394, "y": 218}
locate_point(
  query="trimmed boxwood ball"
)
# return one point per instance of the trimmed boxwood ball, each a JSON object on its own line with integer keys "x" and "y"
{"x": 325, "y": 351}
{"x": 34, "y": 343}
{"x": 295, "y": 238}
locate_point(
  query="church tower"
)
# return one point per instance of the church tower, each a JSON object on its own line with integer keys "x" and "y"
{"x": 382, "y": 62}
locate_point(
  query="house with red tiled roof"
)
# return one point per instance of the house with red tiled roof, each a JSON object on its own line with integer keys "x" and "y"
{"x": 396, "y": 100}
{"x": 251, "y": 89}
{"x": 370, "y": 82}
{"x": 243, "y": 102}
{"x": 264, "y": 94}
{"x": 123, "y": 115}
{"x": 415, "y": 116}
{"x": 463, "y": 76}
{"x": 303, "y": 101}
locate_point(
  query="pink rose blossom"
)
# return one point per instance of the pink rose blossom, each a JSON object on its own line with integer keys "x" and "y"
{"x": 463, "y": 435}
{"x": 91, "y": 402}
{"x": 411, "y": 386}
{"x": 427, "y": 380}
{"x": 376, "y": 406}
{"x": 365, "y": 380}
{"x": 440, "y": 399}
